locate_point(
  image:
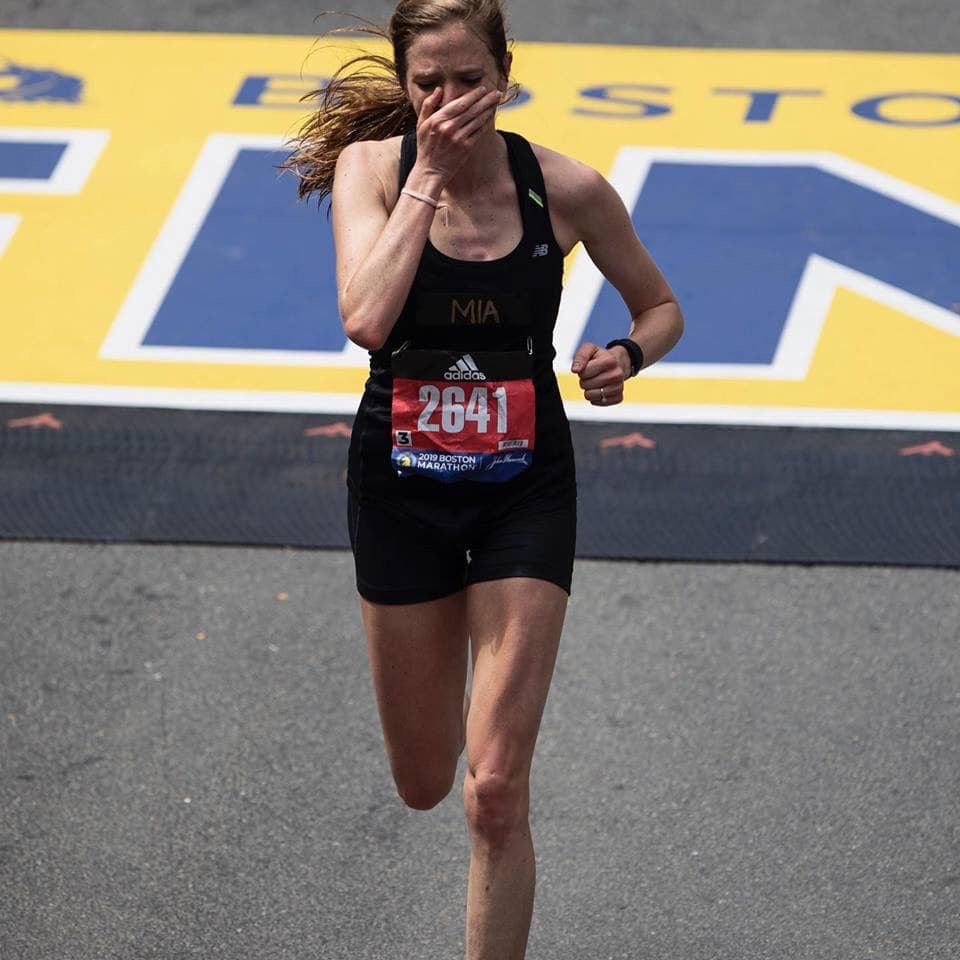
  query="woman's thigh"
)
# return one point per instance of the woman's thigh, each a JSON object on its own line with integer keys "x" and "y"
{"x": 418, "y": 658}
{"x": 515, "y": 627}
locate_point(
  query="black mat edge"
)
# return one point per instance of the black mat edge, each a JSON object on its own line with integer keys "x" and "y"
{"x": 659, "y": 492}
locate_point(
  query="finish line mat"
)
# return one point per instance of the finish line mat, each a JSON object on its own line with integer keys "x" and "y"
{"x": 804, "y": 205}
{"x": 660, "y": 492}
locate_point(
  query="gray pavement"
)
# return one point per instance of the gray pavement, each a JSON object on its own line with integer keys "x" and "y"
{"x": 736, "y": 762}
{"x": 931, "y": 25}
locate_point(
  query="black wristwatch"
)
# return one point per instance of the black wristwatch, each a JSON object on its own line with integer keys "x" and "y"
{"x": 633, "y": 349}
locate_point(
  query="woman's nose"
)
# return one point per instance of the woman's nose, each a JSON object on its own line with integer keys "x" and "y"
{"x": 451, "y": 91}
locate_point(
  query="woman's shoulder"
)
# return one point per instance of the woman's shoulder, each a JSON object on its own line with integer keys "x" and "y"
{"x": 582, "y": 202}
{"x": 372, "y": 152}
{"x": 377, "y": 159}
{"x": 567, "y": 179}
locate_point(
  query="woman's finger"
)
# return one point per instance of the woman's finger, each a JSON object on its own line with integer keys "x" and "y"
{"x": 600, "y": 368}
{"x": 429, "y": 105}
{"x": 471, "y": 100}
{"x": 604, "y": 396}
{"x": 453, "y": 116}
{"x": 474, "y": 126}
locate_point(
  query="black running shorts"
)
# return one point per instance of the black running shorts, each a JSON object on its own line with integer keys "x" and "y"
{"x": 413, "y": 550}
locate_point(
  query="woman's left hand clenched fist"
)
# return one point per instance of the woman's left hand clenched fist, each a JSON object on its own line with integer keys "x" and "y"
{"x": 601, "y": 374}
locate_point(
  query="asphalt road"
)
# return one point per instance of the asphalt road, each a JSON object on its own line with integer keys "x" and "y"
{"x": 736, "y": 762}
{"x": 929, "y": 25}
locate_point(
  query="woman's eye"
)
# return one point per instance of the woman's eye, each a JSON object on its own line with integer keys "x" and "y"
{"x": 425, "y": 86}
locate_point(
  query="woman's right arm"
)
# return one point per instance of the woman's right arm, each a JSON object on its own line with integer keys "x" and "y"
{"x": 378, "y": 250}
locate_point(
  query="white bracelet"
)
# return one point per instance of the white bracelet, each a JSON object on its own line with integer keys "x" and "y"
{"x": 422, "y": 196}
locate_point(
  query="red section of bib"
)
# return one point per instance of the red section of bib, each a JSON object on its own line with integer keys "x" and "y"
{"x": 466, "y": 417}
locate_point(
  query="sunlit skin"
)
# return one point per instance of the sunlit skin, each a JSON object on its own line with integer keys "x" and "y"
{"x": 510, "y": 628}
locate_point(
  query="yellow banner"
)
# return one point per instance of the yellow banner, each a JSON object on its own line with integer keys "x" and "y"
{"x": 805, "y": 205}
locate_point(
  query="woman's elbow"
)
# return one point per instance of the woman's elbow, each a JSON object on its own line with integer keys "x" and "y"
{"x": 677, "y": 324}
{"x": 363, "y": 334}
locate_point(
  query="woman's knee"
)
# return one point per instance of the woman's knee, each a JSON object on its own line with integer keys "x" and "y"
{"x": 424, "y": 789}
{"x": 496, "y": 804}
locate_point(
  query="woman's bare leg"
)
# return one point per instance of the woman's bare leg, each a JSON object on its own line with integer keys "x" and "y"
{"x": 418, "y": 659}
{"x": 515, "y": 627}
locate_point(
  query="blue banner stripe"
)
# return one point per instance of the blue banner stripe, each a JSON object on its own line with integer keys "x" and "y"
{"x": 29, "y": 161}
{"x": 260, "y": 271}
{"x": 734, "y": 241}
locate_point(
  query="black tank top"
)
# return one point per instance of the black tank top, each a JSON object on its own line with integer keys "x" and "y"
{"x": 505, "y": 304}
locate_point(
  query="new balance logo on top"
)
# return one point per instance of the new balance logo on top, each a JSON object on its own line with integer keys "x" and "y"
{"x": 464, "y": 369}
{"x": 541, "y": 249}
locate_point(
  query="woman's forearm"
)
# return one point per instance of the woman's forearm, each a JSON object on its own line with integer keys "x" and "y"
{"x": 372, "y": 298}
{"x": 657, "y": 330}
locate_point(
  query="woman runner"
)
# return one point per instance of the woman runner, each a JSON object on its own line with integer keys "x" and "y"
{"x": 450, "y": 238}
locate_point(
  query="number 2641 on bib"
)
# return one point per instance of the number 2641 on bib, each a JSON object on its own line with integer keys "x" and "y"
{"x": 476, "y": 431}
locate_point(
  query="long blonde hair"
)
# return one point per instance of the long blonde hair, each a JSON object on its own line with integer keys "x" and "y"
{"x": 366, "y": 98}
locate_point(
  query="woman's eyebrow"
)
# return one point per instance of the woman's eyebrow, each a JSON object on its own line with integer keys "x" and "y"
{"x": 433, "y": 74}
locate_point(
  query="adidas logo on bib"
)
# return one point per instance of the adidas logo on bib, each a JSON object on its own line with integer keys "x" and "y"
{"x": 464, "y": 369}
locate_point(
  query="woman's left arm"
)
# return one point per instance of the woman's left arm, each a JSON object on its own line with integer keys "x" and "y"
{"x": 591, "y": 211}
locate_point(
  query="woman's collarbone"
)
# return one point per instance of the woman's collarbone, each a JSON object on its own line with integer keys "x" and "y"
{"x": 474, "y": 231}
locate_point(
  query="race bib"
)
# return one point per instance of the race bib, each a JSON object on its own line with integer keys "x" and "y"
{"x": 462, "y": 416}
